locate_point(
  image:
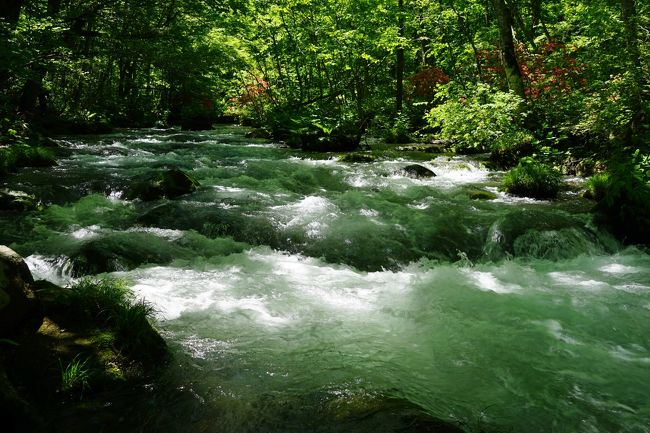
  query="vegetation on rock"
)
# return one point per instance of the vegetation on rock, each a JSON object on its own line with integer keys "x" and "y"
{"x": 532, "y": 179}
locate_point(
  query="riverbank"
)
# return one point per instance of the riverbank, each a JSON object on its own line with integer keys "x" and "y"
{"x": 66, "y": 352}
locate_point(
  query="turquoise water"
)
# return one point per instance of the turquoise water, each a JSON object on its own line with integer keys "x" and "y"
{"x": 306, "y": 294}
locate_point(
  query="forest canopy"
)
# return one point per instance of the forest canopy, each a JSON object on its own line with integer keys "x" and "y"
{"x": 488, "y": 75}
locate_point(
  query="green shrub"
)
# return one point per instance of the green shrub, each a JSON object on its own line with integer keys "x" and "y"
{"x": 315, "y": 129}
{"x": 480, "y": 118}
{"x": 597, "y": 186}
{"x": 532, "y": 179}
{"x": 23, "y": 155}
{"x": 398, "y": 132}
{"x": 624, "y": 207}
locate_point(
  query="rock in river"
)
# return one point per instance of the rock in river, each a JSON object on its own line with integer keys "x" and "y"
{"x": 170, "y": 184}
{"x": 17, "y": 301}
{"x": 418, "y": 171}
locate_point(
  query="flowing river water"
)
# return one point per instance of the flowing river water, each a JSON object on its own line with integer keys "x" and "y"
{"x": 307, "y": 294}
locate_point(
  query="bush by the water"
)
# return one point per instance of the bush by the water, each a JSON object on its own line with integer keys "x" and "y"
{"x": 24, "y": 155}
{"x": 624, "y": 199}
{"x": 531, "y": 178}
{"x": 479, "y": 118}
{"x": 318, "y": 129}
{"x": 597, "y": 186}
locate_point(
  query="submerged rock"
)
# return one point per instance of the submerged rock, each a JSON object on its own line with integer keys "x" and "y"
{"x": 122, "y": 251}
{"x": 18, "y": 304}
{"x": 480, "y": 194}
{"x": 418, "y": 171}
{"x": 361, "y": 411}
{"x": 170, "y": 184}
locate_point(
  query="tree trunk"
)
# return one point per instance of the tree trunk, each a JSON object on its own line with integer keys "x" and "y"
{"x": 399, "y": 61}
{"x": 513, "y": 75}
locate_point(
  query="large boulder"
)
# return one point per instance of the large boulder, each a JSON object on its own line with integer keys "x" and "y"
{"x": 16, "y": 414}
{"x": 17, "y": 301}
{"x": 170, "y": 184}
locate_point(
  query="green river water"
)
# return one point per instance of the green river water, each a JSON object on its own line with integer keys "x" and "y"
{"x": 308, "y": 295}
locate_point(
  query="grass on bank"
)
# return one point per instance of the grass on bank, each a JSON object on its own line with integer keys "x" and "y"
{"x": 75, "y": 376}
{"x": 112, "y": 303}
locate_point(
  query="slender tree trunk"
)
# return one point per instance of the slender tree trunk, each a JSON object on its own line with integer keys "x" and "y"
{"x": 464, "y": 27}
{"x": 513, "y": 75}
{"x": 399, "y": 61}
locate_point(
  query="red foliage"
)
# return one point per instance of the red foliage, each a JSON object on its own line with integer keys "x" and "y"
{"x": 424, "y": 82}
{"x": 252, "y": 92}
{"x": 549, "y": 72}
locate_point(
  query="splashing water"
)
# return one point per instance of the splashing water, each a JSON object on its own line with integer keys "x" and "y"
{"x": 295, "y": 291}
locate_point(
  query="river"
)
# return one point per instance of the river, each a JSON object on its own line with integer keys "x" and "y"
{"x": 294, "y": 290}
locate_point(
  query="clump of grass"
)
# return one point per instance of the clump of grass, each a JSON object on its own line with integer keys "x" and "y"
{"x": 75, "y": 377}
{"x": 99, "y": 297}
{"x": 531, "y": 178}
{"x": 112, "y": 303}
{"x": 597, "y": 186}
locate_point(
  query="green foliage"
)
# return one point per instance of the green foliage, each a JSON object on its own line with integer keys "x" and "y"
{"x": 597, "y": 186}
{"x": 75, "y": 376}
{"x": 481, "y": 118}
{"x": 624, "y": 207}
{"x": 608, "y": 109}
{"x": 315, "y": 128}
{"x": 399, "y": 131}
{"x": 23, "y": 155}
{"x": 531, "y": 178}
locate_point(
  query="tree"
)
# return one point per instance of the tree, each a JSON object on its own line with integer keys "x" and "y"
{"x": 510, "y": 64}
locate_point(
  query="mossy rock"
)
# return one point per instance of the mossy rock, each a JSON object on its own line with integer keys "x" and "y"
{"x": 168, "y": 184}
{"x": 18, "y": 306}
{"x": 418, "y": 171}
{"x": 504, "y": 157}
{"x": 357, "y": 157}
{"x": 122, "y": 251}
{"x": 16, "y": 414}
{"x": 480, "y": 194}
{"x": 17, "y": 201}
